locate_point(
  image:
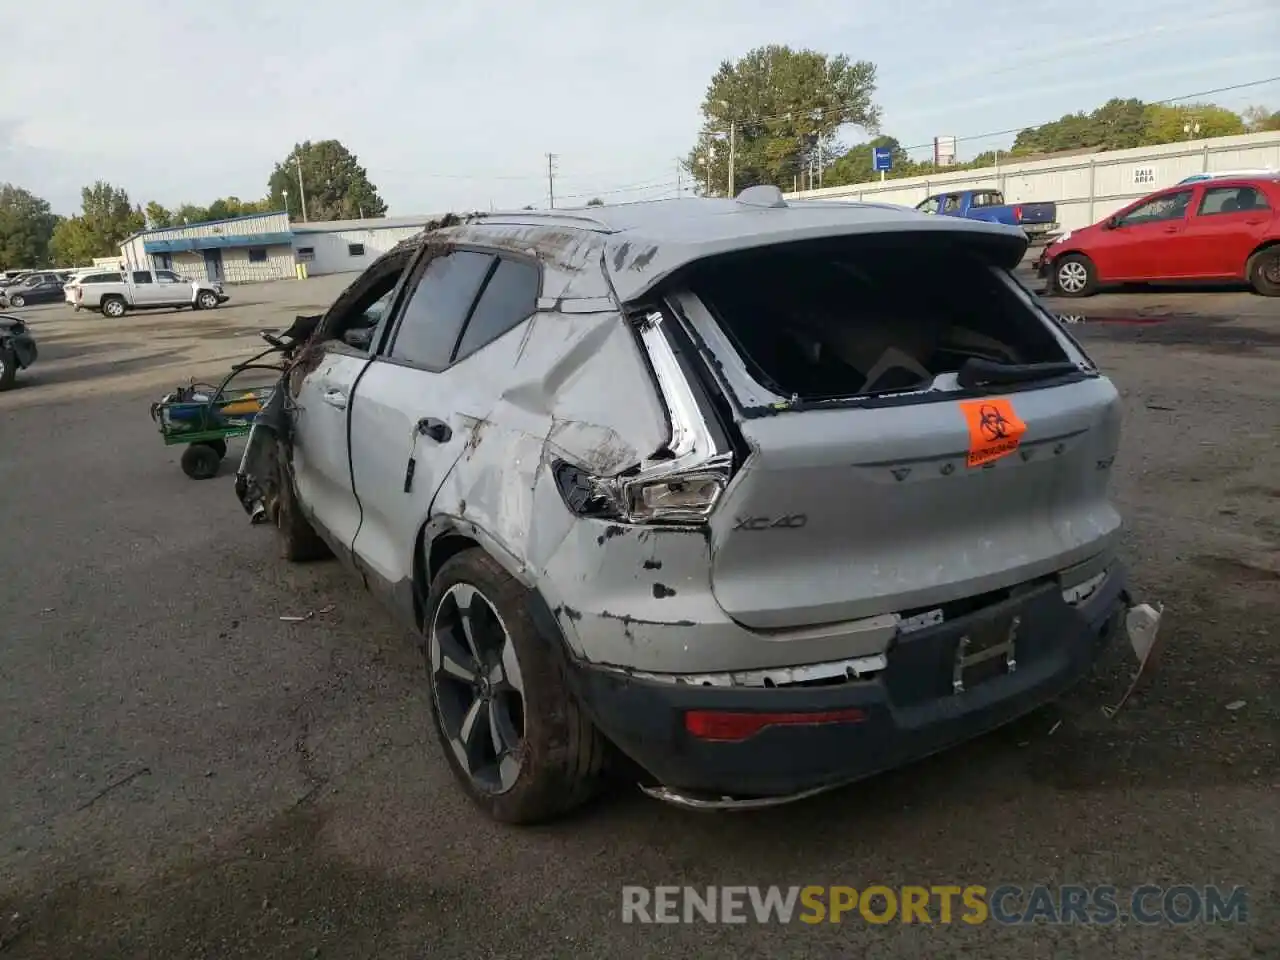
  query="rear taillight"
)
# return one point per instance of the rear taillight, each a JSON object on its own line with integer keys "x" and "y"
{"x": 1017, "y": 214}
{"x": 725, "y": 726}
{"x": 681, "y": 484}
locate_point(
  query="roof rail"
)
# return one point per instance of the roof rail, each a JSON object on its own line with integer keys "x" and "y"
{"x": 763, "y": 195}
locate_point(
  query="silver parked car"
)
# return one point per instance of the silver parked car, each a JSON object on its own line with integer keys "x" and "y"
{"x": 765, "y": 496}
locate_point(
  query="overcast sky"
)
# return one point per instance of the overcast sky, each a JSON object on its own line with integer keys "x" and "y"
{"x": 456, "y": 105}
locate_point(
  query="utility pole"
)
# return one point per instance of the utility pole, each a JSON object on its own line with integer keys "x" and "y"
{"x": 551, "y": 179}
{"x": 302, "y": 191}
{"x": 733, "y": 154}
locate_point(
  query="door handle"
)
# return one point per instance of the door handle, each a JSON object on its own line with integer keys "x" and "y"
{"x": 1172, "y": 229}
{"x": 336, "y": 398}
{"x": 437, "y": 430}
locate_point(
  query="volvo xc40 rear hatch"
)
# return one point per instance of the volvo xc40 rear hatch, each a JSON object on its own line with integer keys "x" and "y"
{"x": 914, "y": 428}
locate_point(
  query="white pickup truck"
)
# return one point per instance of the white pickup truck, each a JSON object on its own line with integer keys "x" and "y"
{"x": 116, "y": 293}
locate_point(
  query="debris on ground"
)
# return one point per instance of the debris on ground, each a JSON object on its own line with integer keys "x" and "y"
{"x": 1142, "y": 624}
{"x": 1235, "y": 705}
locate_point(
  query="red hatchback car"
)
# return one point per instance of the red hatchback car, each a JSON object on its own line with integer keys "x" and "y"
{"x": 1226, "y": 229}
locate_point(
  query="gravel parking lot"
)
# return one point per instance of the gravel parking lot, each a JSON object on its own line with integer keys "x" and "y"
{"x": 185, "y": 774}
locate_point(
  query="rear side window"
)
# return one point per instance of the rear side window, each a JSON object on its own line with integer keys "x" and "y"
{"x": 509, "y": 298}
{"x": 102, "y": 278}
{"x": 141, "y": 276}
{"x": 438, "y": 307}
{"x": 1231, "y": 200}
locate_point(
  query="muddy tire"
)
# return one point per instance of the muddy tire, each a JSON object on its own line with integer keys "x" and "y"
{"x": 113, "y": 307}
{"x": 8, "y": 368}
{"x": 1263, "y": 271}
{"x": 517, "y": 741}
{"x": 1074, "y": 276}
{"x": 200, "y": 461}
{"x": 299, "y": 542}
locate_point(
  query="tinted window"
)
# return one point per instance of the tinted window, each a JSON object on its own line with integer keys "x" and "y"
{"x": 168, "y": 275}
{"x": 509, "y": 298}
{"x": 141, "y": 276}
{"x": 355, "y": 249}
{"x": 1231, "y": 200}
{"x": 436, "y": 310}
{"x": 102, "y": 278}
{"x": 1170, "y": 206}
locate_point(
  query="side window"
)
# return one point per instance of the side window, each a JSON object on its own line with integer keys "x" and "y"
{"x": 1170, "y": 206}
{"x": 508, "y": 299}
{"x": 928, "y": 206}
{"x": 981, "y": 200}
{"x": 951, "y": 204}
{"x": 1231, "y": 200}
{"x": 436, "y": 310}
{"x": 257, "y": 254}
{"x": 355, "y": 249}
{"x": 141, "y": 276}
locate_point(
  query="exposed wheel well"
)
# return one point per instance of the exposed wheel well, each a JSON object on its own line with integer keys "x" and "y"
{"x": 1265, "y": 245}
{"x": 428, "y": 560}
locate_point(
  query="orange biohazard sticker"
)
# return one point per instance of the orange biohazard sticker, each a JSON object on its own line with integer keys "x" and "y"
{"x": 994, "y": 429}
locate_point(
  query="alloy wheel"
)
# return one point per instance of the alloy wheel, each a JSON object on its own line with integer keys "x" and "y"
{"x": 478, "y": 688}
{"x": 1072, "y": 276}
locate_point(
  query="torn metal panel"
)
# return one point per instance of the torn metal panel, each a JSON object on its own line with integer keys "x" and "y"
{"x": 501, "y": 481}
{"x": 645, "y": 601}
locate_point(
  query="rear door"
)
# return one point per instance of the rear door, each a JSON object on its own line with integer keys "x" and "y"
{"x": 1229, "y": 223}
{"x": 427, "y": 391}
{"x": 322, "y": 389}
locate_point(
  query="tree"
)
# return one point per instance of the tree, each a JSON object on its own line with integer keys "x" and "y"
{"x": 226, "y": 208}
{"x": 1120, "y": 124}
{"x": 595, "y": 202}
{"x": 336, "y": 186}
{"x": 1167, "y": 124}
{"x": 856, "y": 166}
{"x": 105, "y": 220}
{"x": 158, "y": 216}
{"x": 778, "y": 106}
{"x": 26, "y": 227}
{"x": 1258, "y": 119}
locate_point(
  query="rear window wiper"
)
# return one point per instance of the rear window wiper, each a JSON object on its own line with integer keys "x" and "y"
{"x": 976, "y": 373}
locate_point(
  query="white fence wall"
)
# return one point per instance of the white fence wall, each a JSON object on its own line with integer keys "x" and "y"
{"x": 1085, "y": 187}
{"x": 331, "y": 251}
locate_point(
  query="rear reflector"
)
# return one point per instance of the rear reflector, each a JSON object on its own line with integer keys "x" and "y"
{"x": 730, "y": 726}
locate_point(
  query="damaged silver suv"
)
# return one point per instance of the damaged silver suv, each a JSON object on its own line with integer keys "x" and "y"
{"x": 765, "y": 496}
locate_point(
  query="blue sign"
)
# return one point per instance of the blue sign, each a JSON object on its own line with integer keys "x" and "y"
{"x": 881, "y": 158}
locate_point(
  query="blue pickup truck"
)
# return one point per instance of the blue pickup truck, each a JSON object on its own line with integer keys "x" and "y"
{"x": 1036, "y": 219}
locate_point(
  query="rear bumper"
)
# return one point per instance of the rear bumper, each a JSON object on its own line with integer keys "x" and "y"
{"x": 907, "y": 711}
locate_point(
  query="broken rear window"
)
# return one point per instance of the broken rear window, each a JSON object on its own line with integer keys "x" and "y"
{"x": 871, "y": 315}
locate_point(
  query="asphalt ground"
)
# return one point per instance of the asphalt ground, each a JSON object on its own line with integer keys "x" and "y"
{"x": 185, "y": 774}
